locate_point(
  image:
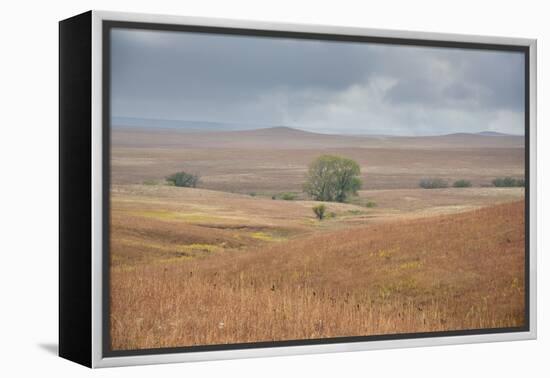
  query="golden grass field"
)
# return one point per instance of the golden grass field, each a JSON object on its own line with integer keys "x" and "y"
{"x": 206, "y": 266}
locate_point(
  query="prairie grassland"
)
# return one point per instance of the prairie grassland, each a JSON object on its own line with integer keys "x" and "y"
{"x": 437, "y": 201}
{"x": 442, "y": 272}
{"x": 162, "y": 222}
{"x": 149, "y": 223}
{"x": 275, "y": 160}
{"x": 232, "y": 262}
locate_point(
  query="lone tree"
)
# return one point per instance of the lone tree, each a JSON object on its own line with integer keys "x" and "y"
{"x": 332, "y": 178}
{"x": 319, "y": 211}
{"x": 183, "y": 179}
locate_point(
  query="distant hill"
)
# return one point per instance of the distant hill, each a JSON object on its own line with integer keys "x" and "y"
{"x": 181, "y": 125}
{"x": 279, "y": 131}
{"x": 482, "y": 133}
{"x": 494, "y": 133}
{"x": 262, "y": 130}
{"x": 280, "y": 137}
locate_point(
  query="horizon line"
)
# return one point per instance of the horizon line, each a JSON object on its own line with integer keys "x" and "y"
{"x": 257, "y": 127}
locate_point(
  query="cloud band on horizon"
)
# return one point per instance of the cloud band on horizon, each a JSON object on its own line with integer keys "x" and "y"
{"x": 321, "y": 86}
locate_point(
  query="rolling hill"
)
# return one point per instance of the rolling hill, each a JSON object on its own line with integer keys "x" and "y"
{"x": 459, "y": 271}
{"x": 288, "y": 138}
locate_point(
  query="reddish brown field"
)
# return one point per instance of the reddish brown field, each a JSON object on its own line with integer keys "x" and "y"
{"x": 232, "y": 262}
{"x": 443, "y": 272}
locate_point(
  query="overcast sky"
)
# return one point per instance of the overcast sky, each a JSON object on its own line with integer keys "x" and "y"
{"x": 331, "y": 87}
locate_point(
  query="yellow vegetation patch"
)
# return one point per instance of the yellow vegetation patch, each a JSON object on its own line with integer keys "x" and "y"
{"x": 174, "y": 215}
{"x": 199, "y": 248}
{"x": 385, "y": 253}
{"x": 410, "y": 265}
{"x": 196, "y": 247}
{"x": 405, "y": 286}
{"x": 144, "y": 244}
{"x": 156, "y": 214}
{"x": 266, "y": 237}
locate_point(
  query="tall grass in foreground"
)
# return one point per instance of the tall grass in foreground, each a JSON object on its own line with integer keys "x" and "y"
{"x": 451, "y": 272}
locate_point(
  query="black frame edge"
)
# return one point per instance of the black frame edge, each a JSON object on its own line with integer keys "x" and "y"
{"x": 75, "y": 189}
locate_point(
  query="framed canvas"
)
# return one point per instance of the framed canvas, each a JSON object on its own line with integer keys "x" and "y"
{"x": 235, "y": 189}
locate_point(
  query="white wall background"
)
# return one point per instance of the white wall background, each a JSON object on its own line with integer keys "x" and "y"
{"x": 28, "y": 189}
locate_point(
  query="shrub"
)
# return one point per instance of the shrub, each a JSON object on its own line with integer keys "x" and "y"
{"x": 370, "y": 204}
{"x": 288, "y": 196}
{"x": 462, "y": 184}
{"x": 150, "y": 182}
{"x": 433, "y": 183}
{"x": 183, "y": 179}
{"x": 252, "y": 194}
{"x": 319, "y": 211}
{"x": 332, "y": 178}
{"x": 508, "y": 182}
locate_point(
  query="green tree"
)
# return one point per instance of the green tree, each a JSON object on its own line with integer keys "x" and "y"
{"x": 183, "y": 179}
{"x": 462, "y": 184}
{"x": 433, "y": 183}
{"x": 319, "y": 211}
{"x": 332, "y": 178}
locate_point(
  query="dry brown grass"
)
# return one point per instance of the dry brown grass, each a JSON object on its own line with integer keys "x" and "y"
{"x": 274, "y": 162}
{"x": 162, "y": 222}
{"x": 447, "y": 272}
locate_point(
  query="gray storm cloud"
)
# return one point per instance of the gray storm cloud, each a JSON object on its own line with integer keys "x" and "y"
{"x": 323, "y": 86}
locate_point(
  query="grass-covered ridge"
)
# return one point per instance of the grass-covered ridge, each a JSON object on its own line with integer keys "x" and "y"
{"x": 346, "y": 282}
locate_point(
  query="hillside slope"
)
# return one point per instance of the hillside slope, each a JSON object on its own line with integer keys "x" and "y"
{"x": 290, "y": 138}
{"x": 460, "y": 271}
